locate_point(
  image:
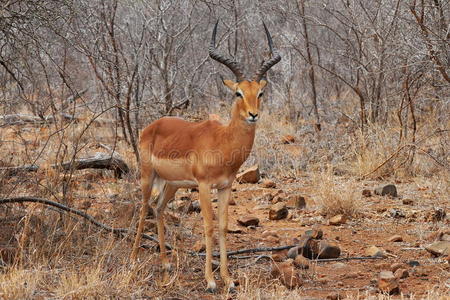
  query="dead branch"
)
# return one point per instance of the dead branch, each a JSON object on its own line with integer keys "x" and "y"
{"x": 119, "y": 232}
{"x": 99, "y": 160}
{"x": 251, "y": 250}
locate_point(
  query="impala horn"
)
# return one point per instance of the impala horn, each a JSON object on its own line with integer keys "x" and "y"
{"x": 231, "y": 64}
{"x": 271, "y": 62}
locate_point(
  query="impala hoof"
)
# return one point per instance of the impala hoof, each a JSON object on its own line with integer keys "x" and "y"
{"x": 211, "y": 288}
{"x": 231, "y": 287}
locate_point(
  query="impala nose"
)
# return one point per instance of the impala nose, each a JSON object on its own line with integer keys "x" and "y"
{"x": 253, "y": 117}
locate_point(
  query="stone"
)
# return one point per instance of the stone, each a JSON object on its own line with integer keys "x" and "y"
{"x": 293, "y": 252}
{"x": 315, "y": 233}
{"x": 296, "y": 201}
{"x": 401, "y": 273}
{"x": 277, "y": 198}
{"x": 287, "y": 139}
{"x": 250, "y": 175}
{"x": 267, "y": 183}
{"x": 388, "y": 283}
{"x": 366, "y": 193}
{"x": 231, "y": 201}
{"x": 386, "y": 190}
{"x": 413, "y": 263}
{"x": 324, "y": 250}
{"x": 195, "y": 206}
{"x": 301, "y": 262}
{"x": 234, "y": 229}
{"x": 439, "y": 214}
{"x": 269, "y": 233}
{"x": 278, "y": 211}
{"x": 408, "y": 202}
{"x": 287, "y": 274}
{"x": 337, "y": 220}
{"x": 396, "y": 238}
{"x": 396, "y": 266}
{"x": 374, "y": 251}
{"x": 439, "y": 248}
{"x": 396, "y": 213}
{"x": 248, "y": 221}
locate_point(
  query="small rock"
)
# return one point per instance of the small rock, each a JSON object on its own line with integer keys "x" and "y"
{"x": 248, "y": 221}
{"x": 366, "y": 193}
{"x": 199, "y": 246}
{"x": 337, "y": 220}
{"x": 413, "y": 263}
{"x": 287, "y": 139}
{"x": 396, "y": 238}
{"x": 401, "y": 273}
{"x": 231, "y": 201}
{"x": 408, "y": 202}
{"x": 269, "y": 184}
{"x": 439, "y": 248}
{"x": 296, "y": 201}
{"x": 195, "y": 206}
{"x": 388, "y": 283}
{"x": 386, "y": 190}
{"x": 267, "y": 233}
{"x": 396, "y": 213}
{"x": 438, "y": 215}
{"x": 374, "y": 251}
{"x": 396, "y": 266}
{"x": 287, "y": 274}
{"x": 338, "y": 265}
{"x": 324, "y": 250}
{"x": 234, "y": 229}
{"x": 293, "y": 252}
{"x": 301, "y": 262}
{"x": 277, "y": 198}
{"x": 278, "y": 211}
{"x": 314, "y": 233}
{"x": 250, "y": 175}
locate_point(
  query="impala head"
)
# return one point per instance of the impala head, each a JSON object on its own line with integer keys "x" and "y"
{"x": 248, "y": 92}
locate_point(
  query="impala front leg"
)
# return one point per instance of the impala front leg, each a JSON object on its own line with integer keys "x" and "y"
{"x": 207, "y": 213}
{"x": 224, "y": 198}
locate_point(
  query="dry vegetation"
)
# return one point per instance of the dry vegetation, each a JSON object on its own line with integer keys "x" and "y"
{"x": 379, "y": 92}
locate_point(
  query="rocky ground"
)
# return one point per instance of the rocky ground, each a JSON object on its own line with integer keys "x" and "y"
{"x": 402, "y": 226}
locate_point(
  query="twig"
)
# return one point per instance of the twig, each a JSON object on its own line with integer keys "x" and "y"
{"x": 117, "y": 231}
{"x": 414, "y": 146}
{"x": 242, "y": 251}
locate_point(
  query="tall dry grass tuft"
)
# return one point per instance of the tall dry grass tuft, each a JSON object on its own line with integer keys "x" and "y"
{"x": 334, "y": 196}
{"x": 20, "y": 283}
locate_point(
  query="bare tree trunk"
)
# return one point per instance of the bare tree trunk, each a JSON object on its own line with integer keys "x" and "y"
{"x": 311, "y": 72}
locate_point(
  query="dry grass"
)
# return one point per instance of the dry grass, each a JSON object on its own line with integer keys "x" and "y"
{"x": 67, "y": 259}
{"x": 336, "y": 196}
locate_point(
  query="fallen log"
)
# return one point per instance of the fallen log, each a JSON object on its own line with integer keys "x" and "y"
{"x": 99, "y": 160}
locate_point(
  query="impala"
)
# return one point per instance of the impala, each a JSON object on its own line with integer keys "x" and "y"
{"x": 180, "y": 154}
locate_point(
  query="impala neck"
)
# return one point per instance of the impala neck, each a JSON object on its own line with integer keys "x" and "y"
{"x": 241, "y": 132}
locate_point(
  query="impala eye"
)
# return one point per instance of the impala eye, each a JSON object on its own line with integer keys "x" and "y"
{"x": 238, "y": 94}
{"x": 260, "y": 95}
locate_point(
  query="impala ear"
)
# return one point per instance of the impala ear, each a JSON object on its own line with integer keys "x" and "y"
{"x": 262, "y": 83}
{"x": 230, "y": 84}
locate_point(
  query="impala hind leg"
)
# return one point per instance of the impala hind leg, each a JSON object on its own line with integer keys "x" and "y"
{"x": 207, "y": 213}
{"x": 168, "y": 193}
{"x": 224, "y": 198}
{"x": 147, "y": 177}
